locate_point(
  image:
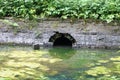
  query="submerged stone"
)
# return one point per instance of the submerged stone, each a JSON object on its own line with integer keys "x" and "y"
{"x": 36, "y": 46}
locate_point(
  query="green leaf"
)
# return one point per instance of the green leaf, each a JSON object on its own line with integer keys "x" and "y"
{"x": 64, "y": 17}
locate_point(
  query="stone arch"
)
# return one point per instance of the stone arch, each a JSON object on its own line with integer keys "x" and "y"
{"x": 62, "y": 39}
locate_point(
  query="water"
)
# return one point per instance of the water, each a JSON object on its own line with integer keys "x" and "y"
{"x": 24, "y": 63}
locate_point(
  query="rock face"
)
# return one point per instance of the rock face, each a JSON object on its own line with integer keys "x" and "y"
{"x": 48, "y": 33}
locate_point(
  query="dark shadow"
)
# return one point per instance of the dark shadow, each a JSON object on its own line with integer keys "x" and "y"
{"x": 62, "y": 41}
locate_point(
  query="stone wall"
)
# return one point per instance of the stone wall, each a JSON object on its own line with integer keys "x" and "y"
{"x": 92, "y": 40}
{"x": 88, "y": 34}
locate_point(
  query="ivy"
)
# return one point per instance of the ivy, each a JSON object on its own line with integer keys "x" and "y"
{"x": 106, "y": 10}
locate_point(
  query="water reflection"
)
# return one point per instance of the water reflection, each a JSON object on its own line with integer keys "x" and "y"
{"x": 62, "y": 52}
{"x": 23, "y": 63}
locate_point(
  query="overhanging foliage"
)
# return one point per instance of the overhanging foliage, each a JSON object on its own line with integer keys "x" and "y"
{"x": 106, "y": 10}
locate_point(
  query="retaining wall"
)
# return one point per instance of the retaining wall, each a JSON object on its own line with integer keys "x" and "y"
{"x": 88, "y": 34}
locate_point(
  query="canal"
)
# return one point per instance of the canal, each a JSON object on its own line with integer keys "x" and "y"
{"x": 24, "y": 63}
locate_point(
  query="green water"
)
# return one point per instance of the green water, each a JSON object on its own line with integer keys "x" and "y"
{"x": 24, "y": 63}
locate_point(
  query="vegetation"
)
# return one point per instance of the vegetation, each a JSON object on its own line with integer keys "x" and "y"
{"x": 106, "y": 10}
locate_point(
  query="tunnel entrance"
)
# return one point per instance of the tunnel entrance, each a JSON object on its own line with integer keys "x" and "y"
{"x": 62, "y": 40}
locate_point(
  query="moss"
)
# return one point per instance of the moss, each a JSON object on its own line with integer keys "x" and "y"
{"x": 8, "y": 22}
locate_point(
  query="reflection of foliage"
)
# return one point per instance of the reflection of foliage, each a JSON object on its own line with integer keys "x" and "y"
{"x": 101, "y": 70}
{"x": 119, "y": 51}
{"x": 5, "y": 79}
{"x": 108, "y": 78}
{"x": 26, "y": 64}
{"x": 63, "y": 53}
{"x": 99, "y": 78}
{"x": 115, "y": 58}
{"x": 105, "y": 72}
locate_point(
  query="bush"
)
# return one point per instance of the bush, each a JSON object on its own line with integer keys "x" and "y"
{"x": 106, "y": 10}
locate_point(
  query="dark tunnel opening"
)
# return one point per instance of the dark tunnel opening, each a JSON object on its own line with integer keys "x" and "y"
{"x": 62, "y": 41}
